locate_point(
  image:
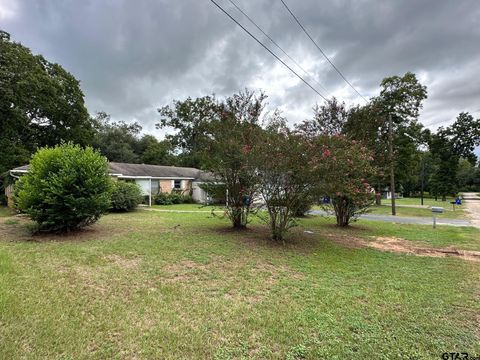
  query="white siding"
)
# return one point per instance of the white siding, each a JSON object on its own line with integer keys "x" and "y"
{"x": 198, "y": 194}
{"x": 144, "y": 185}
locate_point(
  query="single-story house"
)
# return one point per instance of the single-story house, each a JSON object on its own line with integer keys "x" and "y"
{"x": 387, "y": 194}
{"x": 152, "y": 179}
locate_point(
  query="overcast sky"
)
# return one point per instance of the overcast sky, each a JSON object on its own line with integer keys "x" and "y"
{"x": 135, "y": 56}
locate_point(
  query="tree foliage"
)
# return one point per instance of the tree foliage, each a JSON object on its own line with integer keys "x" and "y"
{"x": 284, "y": 178}
{"x": 228, "y": 151}
{"x": 41, "y": 104}
{"x": 67, "y": 187}
{"x": 401, "y": 97}
{"x": 125, "y": 196}
{"x": 342, "y": 167}
{"x": 328, "y": 119}
{"x": 121, "y": 142}
{"x": 448, "y": 146}
{"x": 189, "y": 119}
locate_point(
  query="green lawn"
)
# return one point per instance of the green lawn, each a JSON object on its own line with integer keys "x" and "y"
{"x": 184, "y": 285}
{"x": 406, "y": 208}
{"x": 459, "y": 213}
{"x": 417, "y": 201}
{"x": 5, "y": 211}
{"x": 464, "y": 238}
{"x": 383, "y": 210}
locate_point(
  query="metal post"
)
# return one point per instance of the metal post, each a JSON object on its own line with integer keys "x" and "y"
{"x": 150, "y": 194}
{"x": 434, "y": 220}
{"x": 392, "y": 170}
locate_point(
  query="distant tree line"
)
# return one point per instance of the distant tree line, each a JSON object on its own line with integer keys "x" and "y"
{"x": 41, "y": 104}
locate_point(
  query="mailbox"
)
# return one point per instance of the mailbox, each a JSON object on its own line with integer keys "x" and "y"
{"x": 436, "y": 210}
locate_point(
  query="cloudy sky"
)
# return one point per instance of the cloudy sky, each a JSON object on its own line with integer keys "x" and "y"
{"x": 134, "y": 56}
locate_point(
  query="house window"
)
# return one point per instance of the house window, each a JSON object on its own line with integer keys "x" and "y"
{"x": 155, "y": 187}
{"x": 177, "y": 184}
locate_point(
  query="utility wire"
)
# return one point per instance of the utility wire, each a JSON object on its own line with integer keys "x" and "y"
{"x": 270, "y": 51}
{"x": 318, "y": 47}
{"x": 278, "y": 46}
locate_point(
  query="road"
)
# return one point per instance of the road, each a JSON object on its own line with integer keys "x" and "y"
{"x": 408, "y": 220}
{"x": 472, "y": 205}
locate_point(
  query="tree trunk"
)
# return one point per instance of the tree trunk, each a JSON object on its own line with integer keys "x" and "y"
{"x": 237, "y": 220}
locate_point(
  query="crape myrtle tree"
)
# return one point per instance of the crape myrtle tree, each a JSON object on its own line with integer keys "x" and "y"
{"x": 67, "y": 187}
{"x": 342, "y": 167}
{"x": 228, "y": 151}
{"x": 284, "y": 177}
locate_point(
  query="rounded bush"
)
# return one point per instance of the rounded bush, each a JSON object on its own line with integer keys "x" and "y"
{"x": 66, "y": 187}
{"x": 172, "y": 198}
{"x": 162, "y": 199}
{"x": 126, "y": 196}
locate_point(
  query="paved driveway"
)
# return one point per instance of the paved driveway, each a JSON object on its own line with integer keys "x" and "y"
{"x": 472, "y": 205}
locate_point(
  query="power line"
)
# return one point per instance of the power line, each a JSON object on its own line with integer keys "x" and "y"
{"x": 318, "y": 47}
{"x": 278, "y": 46}
{"x": 266, "y": 48}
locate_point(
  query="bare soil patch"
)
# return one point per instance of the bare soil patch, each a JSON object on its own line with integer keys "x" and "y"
{"x": 123, "y": 262}
{"x": 402, "y": 246}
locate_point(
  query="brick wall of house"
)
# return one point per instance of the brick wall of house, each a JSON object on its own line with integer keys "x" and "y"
{"x": 187, "y": 187}
{"x": 166, "y": 186}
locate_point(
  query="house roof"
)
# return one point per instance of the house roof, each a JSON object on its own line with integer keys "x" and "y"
{"x": 144, "y": 170}
{"x": 153, "y": 170}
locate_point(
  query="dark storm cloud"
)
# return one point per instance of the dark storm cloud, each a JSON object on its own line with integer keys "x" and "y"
{"x": 134, "y": 56}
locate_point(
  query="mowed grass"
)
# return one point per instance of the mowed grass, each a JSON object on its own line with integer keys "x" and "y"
{"x": 407, "y": 207}
{"x": 427, "y": 201}
{"x": 462, "y": 238}
{"x": 184, "y": 285}
{"x": 404, "y": 211}
{"x": 5, "y": 211}
{"x": 383, "y": 209}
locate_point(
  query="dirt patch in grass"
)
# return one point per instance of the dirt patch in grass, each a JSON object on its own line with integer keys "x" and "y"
{"x": 405, "y": 246}
{"x": 397, "y": 245}
{"x": 123, "y": 262}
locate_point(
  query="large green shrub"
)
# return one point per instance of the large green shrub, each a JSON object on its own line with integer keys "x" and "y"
{"x": 172, "y": 198}
{"x": 66, "y": 187}
{"x": 126, "y": 196}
